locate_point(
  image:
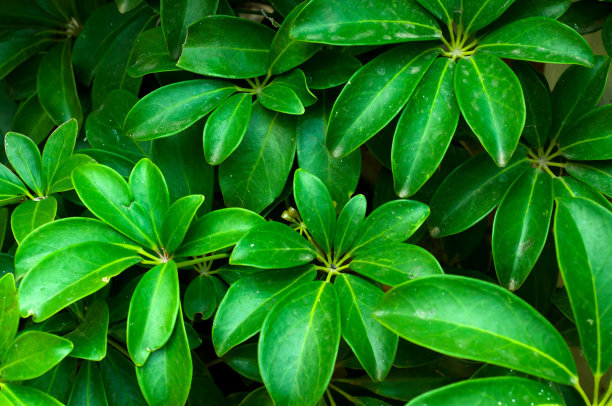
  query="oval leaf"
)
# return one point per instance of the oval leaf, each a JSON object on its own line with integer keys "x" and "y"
{"x": 58, "y": 148}
{"x": 538, "y": 117}
{"x": 177, "y": 15}
{"x": 349, "y": 223}
{"x": 596, "y": 174}
{"x": 590, "y": 138}
{"x": 25, "y": 157}
{"x": 476, "y": 14}
{"x": 89, "y": 339}
{"x": 9, "y": 312}
{"x": 177, "y": 221}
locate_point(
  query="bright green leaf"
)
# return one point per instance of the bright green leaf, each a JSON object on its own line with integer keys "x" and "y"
{"x": 9, "y": 312}
{"x": 89, "y": 339}
{"x": 590, "y": 137}
{"x": 596, "y": 174}
{"x": 30, "y": 215}
{"x": 177, "y": 221}
{"x": 24, "y": 156}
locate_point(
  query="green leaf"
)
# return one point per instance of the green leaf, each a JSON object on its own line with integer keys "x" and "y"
{"x": 109, "y": 197}
{"x": 316, "y": 208}
{"x": 285, "y": 51}
{"x": 480, "y": 392}
{"x": 566, "y": 186}
{"x": 32, "y": 354}
{"x": 443, "y": 9}
{"x": 261, "y": 162}
{"x": 295, "y": 80}
{"x": 226, "y": 126}
{"x": 126, "y": 5}
{"x": 425, "y": 129}
{"x": 340, "y": 175}
{"x": 349, "y": 223}
{"x": 166, "y": 377}
{"x": 339, "y": 22}
{"x": 24, "y": 156}
{"x": 583, "y": 241}
{"x": 280, "y": 98}
{"x": 153, "y": 311}
{"x": 425, "y": 311}
{"x": 596, "y": 174}
{"x": 58, "y": 381}
{"x": 120, "y": 380}
{"x": 577, "y": 92}
{"x": 177, "y": 15}
{"x": 58, "y": 148}
{"x": 304, "y": 323}
{"x": 63, "y": 177}
{"x": 249, "y": 300}
{"x": 394, "y": 264}
{"x": 200, "y": 298}
{"x": 374, "y": 95}
{"x": 69, "y": 274}
{"x": 56, "y": 86}
{"x": 20, "y": 46}
{"x": 272, "y": 245}
{"x": 521, "y": 9}
{"x": 30, "y": 215}
{"x": 172, "y": 108}
{"x": 88, "y": 387}
{"x": 259, "y": 397}
{"x": 606, "y": 35}
{"x": 538, "y": 39}
{"x": 177, "y": 221}
{"x": 476, "y": 14}
{"x": 19, "y": 395}
{"x": 470, "y": 192}
{"x": 227, "y": 47}
{"x": 329, "y": 68}
{"x": 590, "y": 137}
{"x": 521, "y": 226}
{"x": 149, "y": 189}
{"x": 150, "y": 54}
{"x": 217, "y": 230}
{"x": 89, "y": 339}
{"x": 243, "y": 360}
{"x": 31, "y": 119}
{"x": 538, "y": 118}
{"x": 373, "y": 344}
{"x": 9, "y": 312}
{"x": 11, "y": 187}
{"x": 394, "y": 221}
{"x": 491, "y": 101}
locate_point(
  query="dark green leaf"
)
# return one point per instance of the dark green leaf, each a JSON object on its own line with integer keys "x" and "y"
{"x": 31, "y": 119}
{"x": 150, "y": 54}
{"x": 492, "y": 103}
{"x": 153, "y": 312}
{"x": 374, "y": 95}
{"x": 304, "y": 323}
{"x": 329, "y": 68}
{"x": 126, "y": 5}
{"x": 120, "y": 380}
{"x": 606, "y": 35}
{"x": 339, "y": 22}
{"x": 476, "y": 14}
{"x": 9, "y": 312}
{"x": 566, "y": 186}
{"x": 177, "y": 221}
{"x": 18, "y": 47}
{"x": 280, "y": 98}
{"x": 531, "y": 8}
{"x": 261, "y": 162}
{"x": 394, "y": 264}
{"x": 272, "y": 245}
{"x": 349, "y": 223}
{"x": 537, "y": 104}
{"x": 32, "y": 354}
{"x": 259, "y": 397}
{"x": 200, "y": 298}
{"x": 19, "y": 395}
{"x": 30, "y": 215}
{"x": 89, "y": 338}
{"x": 425, "y": 129}
{"x": 470, "y": 192}
{"x": 24, "y": 156}
{"x": 596, "y": 174}
{"x": 243, "y": 360}
{"x": 590, "y": 137}
{"x": 443, "y": 9}
{"x": 58, "y": 148}
{"x": 227, "y": 47}
{"x": 173, "y": 108}
{"x": 56, "y": 87}
{"x": 425, "y": 311}
{"x": 583, "y": 240}
{"x": 58, "y": 381}
{"x": 226, "y": 126}
{"x": 296, "y": 81}
{"x": 177, "y": 15}
{"x": 249, "y": 300}
{"x": 521, "y": 226}
{"x": 586, "y": 16}
{"x": 88, "y": 387}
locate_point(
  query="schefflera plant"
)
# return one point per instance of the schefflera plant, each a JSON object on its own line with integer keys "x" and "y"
{"x": 454, "y": 70}
{"x": 69, "y": 259}
{"x": 318, "y": 286}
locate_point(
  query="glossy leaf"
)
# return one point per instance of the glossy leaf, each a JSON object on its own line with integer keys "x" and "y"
{"x": 583, "y": 240}
{"x": 295, "y": 79}
{"x": 11, "y": 187}
{"x": 329, "y": 68}
{"x": 394, "y": 264}
{"x": 69, "y": 274}
{"x": 120, "y": 380}
{"x": 316, "y": 208}
{"x": 373, "y": 344}
{"x": 470, "y": 192}
{"x": 259, "y": 397}
{"x": 89, "y": 339}
{"x": 491, "y": 101}
{"x": 596, "y": 174}
{"x": 272, "y": 245}
{"x": 538, "y": 39}
{"x": 425, "y": 129}
{"x": 58, "y": 381}
{"x": 374, "y": 95}
{"x": 425, "y": 312}
{"x": 339, "y": 22}
{"x": 30, "y": 215}
{"x": 521, "y": 9}
{"x": 56, "y": 85}
{"x": 521, "y": 226}
{"x": 177, "y": 15}
{"x": 19, "y": 395}
{"x": 348, "y": 225}
{"x": 304, "y": 323}
{"x": 249, "y": 300}
{"x": 200, "y": 298}
{"x": 63, "y": 177}
{"x": 227, "y": 47}
{"x": 538, "y": 118}
{"x": 153, "y": 311}
{"x": 166, "y": 377}
{"x": 32, "y": 119}
{"x": 442, "y": 9}
{"x": 261, "y": 162}
{"x": 25, "y": 158}
{"x": 394, "y": 221}
{"x": 150, "y": 54}
{"x": 9, "y": 312}
{"x": 32, "y": 354}
{"x": 226, "y": 126}
{"x": 177, "y": 221}
{"x": 476, "y": 14}
{"x": 174, "y": 107}
{"x": 243, "y": 360}
{"x": 280, "y": 98}
{"x": 58, "y": 148}
{"x": 88, "y": 387}
{"x": 18, "y": 47}
{"x": 566, "y": 186}
{"x": 590, "y": 138}
{"x": 480, "y": 392}
{"x": 126, "y": 5}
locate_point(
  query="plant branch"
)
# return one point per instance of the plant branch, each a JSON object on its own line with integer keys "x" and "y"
{"x": 200, "y": 260}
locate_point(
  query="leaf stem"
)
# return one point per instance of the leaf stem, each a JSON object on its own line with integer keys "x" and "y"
{"x": 548, "y": 171}
{"x": 558, "y": 164}
{"x": 556, "y": 154}
{"x": 145, "y": 262}
{"x": 582, "y": 394}
{"x": 329, "y": 396}
{"x": 200, "y": 260}
{"x": 250, "y": 82}
{"x": 596, "y": 383}
{"x": 606, "y": 396}
{"x": 146, "y": 254}
{"x": 343, "y": 393}
{"x": 449, "y": 46}
{"x": 118, "y": 347}
{"x": 451, "y": 30}
{"x": 551, "y": 146}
